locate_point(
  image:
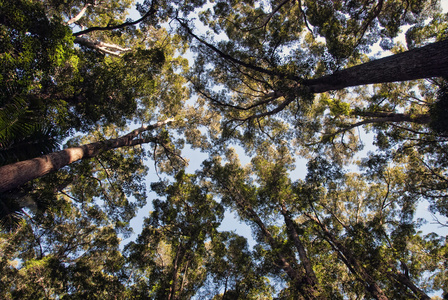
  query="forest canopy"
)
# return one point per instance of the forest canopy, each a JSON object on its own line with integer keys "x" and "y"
{"x": 105, "y": 115}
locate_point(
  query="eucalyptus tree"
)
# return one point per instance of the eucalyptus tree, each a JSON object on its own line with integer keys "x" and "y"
{"x": 58, "y": 80}
{"x": 277, "y": 82}
{"x": 168, "y": 258}
{"x": 265, "y": 70}
{"x": 299, "y": 71}
{"x": 80, "y": 68}
{"x": 334, "y": 234}
{"x": 70, "y": 250}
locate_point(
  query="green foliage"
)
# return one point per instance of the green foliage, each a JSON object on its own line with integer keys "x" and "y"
{"x": 439, "y": 111}
{"x": 75, "y": 72}
{"x": 22, "y": 136}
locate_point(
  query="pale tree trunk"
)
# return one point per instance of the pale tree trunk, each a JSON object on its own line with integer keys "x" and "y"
{"x": 16, "y": 174}
{"x": 425, "y": 62}
{"x": 79, "y": 15}
{"x": 106, "y": 48}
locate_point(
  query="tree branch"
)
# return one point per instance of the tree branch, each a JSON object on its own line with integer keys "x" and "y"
{"x": 269, "y": 17}
{"x": 235, "y": 60}
{"x": 106, "y": 48}
{"x": 385, "y": 118}
{"x": 150, "y": 12}
{"x": 79, "y": 15}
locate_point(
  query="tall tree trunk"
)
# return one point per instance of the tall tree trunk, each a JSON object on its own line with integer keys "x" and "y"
{"x": 352, "y": 262}
{"x": 16, "y": 174}
{"x": 176, "y": 263}
{"x": 425, "y": 62}
{"x": 406, "y": 281}
{"x": 287, "y": 262}
{"x": 311, "y": 276}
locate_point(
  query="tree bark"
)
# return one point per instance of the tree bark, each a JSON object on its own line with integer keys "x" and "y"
{"x": 425, "y": 62}
{"x": 404, "y": 280}
{"x": 106, "y": 48}
{"x": 352, "y": 262}
{"x": 311, "y": 276}
{"x": 287, "y": 262}
{"x": 16, "y": 174}
{"x": 79, "y": 15}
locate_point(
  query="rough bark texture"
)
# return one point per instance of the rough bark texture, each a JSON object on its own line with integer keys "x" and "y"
{"x": 425, "y": 62}
{"x": 352, "y": 262}
{"x": 404, "y": 280}
{"x": 311, "y": 276}
{"x": 14, "y": 175}
{"x": 286, "y": 262}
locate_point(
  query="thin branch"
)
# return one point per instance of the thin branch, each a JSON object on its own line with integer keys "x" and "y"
{"x": 269, "y": 17}
{"x": 269, "y": 98}
{"x": 71, "y": 197}
{"x": 261, "y": 129}
{"x": 437, "y": 221}
{"x": 414, "y": 131}
{"x": 108, "y": 177}
{"x": 235, "y": 60}
{"x": 104, "y": 190}
{"x": 104, "y": 168}
{"x": 150, "y": 12}
{"x": 376, "y": 12}
{"x": 278, "y": 109}
{"x": 443, "y": 178}
{"x": 299, "y": 3}
{"x": 385, "y": 118}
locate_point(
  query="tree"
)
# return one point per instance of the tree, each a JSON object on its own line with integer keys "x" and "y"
{"x": 263, "y": 79}
{"x": 67, "y": 251}
{"x": 267, "y": 71}
{"x": 285, "y": 80}
{"x": 19, "y": 173}
{"x": 369, "y": 234}
{"x": 169, "y": 254}
{"x": 53, "y": 89}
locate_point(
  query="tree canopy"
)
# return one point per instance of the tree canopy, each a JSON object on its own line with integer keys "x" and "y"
{"x": 98, "y": 109}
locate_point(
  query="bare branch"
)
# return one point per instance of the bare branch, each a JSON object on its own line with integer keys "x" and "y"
{"x": 149, "y": 13}
{"x": 376, "y": 12}
{"x": 437, "y": 221}
{"x": 79, "y": 15}
{"x": 304, "y": 16}
{"x": 235, "y": 60}
{"x": 106, "y": 48}
{"x": 269, "y": 17}
{"x": 384, "y": 118}
{"x": 278, "y": 109}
